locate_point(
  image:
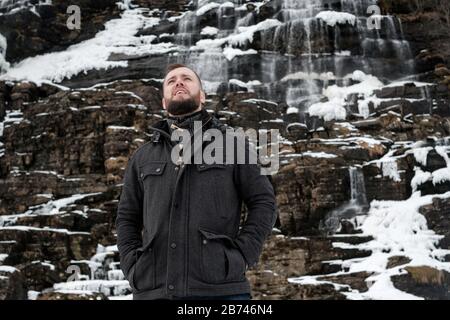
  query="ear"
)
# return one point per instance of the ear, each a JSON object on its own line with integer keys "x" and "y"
{"x": 202, "y": 97}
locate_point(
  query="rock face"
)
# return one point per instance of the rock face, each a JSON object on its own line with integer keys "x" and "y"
{"x": 31, "y": 33}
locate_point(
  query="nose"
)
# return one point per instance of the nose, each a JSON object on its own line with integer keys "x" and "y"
{"x": 179, "y": 82}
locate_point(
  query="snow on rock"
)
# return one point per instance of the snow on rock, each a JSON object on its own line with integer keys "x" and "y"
{"x": 420, "y": 154}
{"x": 245, "y": 35}
{"x": 209, "y": 31}
{"x": 292, "y": 110}
{"x": 301, "y": 75}
{"x": 397, "y": 229}
{"x": 390, "y": 169}
{"x": 419, "y": 178}
{"x": 334, "y": 17}
{"x": 8, "y": 269}
{"x": 107, "y": 287}
{"x": 207, "y": 7}
{"x": 117, "y": 37}
{"x": 331, "y": 110}
{"x": 4, "y": 65}
{"x": 230, "y": 52}
{"x": 334, "y": 109}
{"x": 53, "y": 207}
{"x": 441, "y": 175}
{"x": 442, "y": 151}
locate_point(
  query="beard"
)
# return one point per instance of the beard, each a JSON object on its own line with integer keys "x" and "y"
{"x": 178, "y": 108}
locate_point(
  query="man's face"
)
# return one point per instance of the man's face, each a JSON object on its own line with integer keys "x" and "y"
{"x": 182, "y": 92}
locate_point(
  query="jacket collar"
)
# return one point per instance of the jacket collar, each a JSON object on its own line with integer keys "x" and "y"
{"x": 161, "y": 128}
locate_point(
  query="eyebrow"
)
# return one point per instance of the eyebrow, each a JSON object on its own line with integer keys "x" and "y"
{"x": 183, "y": 75}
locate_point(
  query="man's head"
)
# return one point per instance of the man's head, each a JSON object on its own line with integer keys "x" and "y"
{"x": 182, "y": 91}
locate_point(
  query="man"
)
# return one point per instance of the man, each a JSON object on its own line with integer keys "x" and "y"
{"x": 178, "y": 223}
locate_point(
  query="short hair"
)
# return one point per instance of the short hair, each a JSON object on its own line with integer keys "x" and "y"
{"x": 174, "y": 66}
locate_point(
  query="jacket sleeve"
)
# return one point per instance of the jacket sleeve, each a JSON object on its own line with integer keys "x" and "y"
{"x": 129, "y": 217}
{"x": 258, "y": 195}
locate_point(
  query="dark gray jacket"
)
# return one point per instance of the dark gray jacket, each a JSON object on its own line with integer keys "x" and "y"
{"x": 178, "y": 227}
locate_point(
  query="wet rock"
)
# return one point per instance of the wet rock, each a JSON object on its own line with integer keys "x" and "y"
{"x": 424, "y": 281}
{"x": 39, "y": 275}
{"x": 12, "y": 286}
{"x": 396, "y": 261}
{"x": 438, "y": 219}
{"x": 29, "y": 34}
{"x": 71, "y": 296}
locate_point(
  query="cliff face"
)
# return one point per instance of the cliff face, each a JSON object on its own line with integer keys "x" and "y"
{"x": 364, "y": 117}
{"x": 426, "y": 26}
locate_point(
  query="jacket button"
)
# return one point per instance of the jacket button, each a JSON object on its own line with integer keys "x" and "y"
{"x": 171, "y": 287}
{"x": 205, "y": 241}
{"x": 158, "y": 169}
{"x": 173, "y": 245}
{"x": 176, "y": 168}
{"x": 142, "y": 175}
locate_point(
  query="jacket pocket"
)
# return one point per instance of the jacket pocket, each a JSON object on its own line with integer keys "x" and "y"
{"x": 142, "y": 275}
{"x": 221, "y": 261}
{"x": 153, "y": 168}
{"x": 212, "y": 174}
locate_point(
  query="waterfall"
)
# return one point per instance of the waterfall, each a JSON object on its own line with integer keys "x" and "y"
{"x": 357, "y": 205}
{"x": 357, "y": 186}
{"x": 4, "y": 65}
{"x": 295, "y": 54}
{"x": 6, "y": 6}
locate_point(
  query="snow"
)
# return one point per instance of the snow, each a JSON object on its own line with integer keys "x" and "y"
{"x": 397, "y": 229}
{"x": 11, "y": 117}
{"x": 127, "y": 297}
{"x": 4, "y": 65}
{"x": 441, "y": 175}
{"x": 333, "y": 17}
{"x": 403, "y": 83}
{"x": 7, "y": 269}
{"x": 54, "y": 207}
{"x": 209, "y": 31}
{"x": 118, "y": 37}
{"x": 301, "y": 75}
{"x": 442, "y": 151}
{"x": 419, "y": 178}
{"x": 311, "y": 154}
{"x": 107, "y": 287}
{"x": 331, "y": 110}
{"x": 227, "y": 4}
{"x": 44, "y": 229}
{"x": 249, "y": 85}
{"x": 389, "y": 169}
{"x": 230, "y": 52}
{"x": 319, "y": 154}
{"x": 207, "y": 7}
{"x": 121, "y": 128}
{"x": 420, "y": 154}
{"x": 292, "y": 110}
{"x": 245, "y": 35}
{"x": 334, "y": 109}
{"x": 3, "y": 256}
{"x": 32, "y": 295}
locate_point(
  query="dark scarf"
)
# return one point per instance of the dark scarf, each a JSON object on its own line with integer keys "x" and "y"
{"x": 187, "y": 122}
